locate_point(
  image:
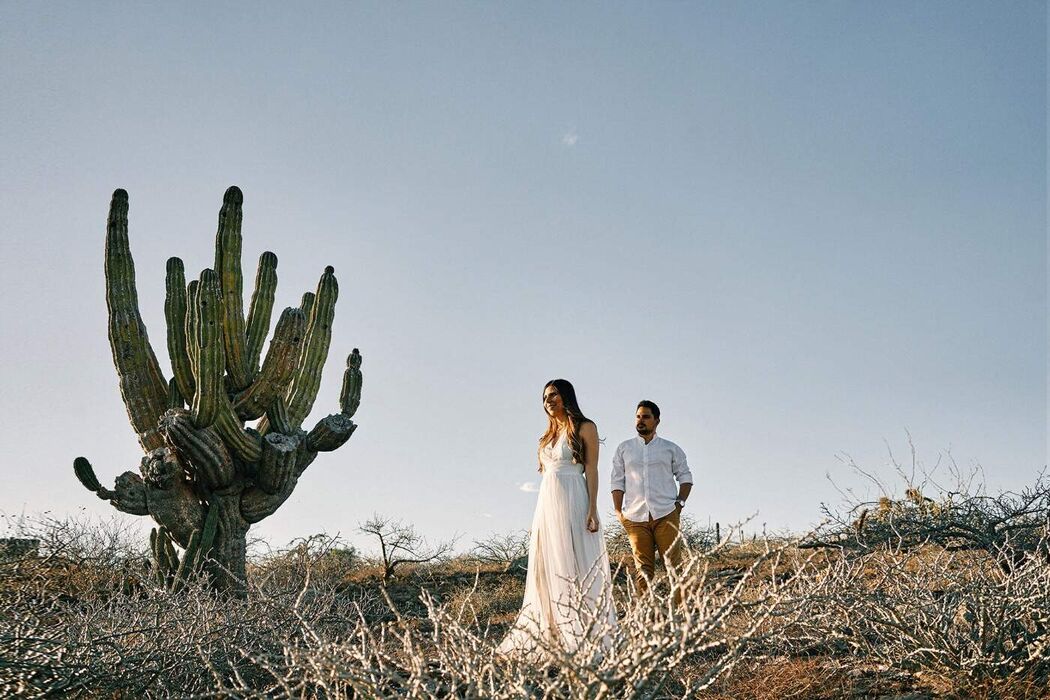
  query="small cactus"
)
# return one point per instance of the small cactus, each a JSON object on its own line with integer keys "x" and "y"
{"x": 171, "y": 572}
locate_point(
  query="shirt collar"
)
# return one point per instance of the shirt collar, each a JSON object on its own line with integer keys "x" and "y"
{"x": 640, "y": 439}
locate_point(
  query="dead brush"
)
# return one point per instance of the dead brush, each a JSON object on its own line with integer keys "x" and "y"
{"x": 451, "y": 651}
{"x": 317, "y": 623}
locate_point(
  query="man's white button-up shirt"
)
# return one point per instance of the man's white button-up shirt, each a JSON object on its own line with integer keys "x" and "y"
{"x": 648, "y": 475}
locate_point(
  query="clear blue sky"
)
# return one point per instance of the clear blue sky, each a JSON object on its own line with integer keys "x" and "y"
{"x": 801, "y": 228}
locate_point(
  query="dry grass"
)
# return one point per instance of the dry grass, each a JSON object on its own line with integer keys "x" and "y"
{"x": 762, "y": 619}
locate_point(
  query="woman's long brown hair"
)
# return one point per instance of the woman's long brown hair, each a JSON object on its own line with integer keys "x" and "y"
{"x": 576, "y": 420}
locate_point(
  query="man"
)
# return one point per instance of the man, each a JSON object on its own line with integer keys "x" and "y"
{"x": 650, "y": 484}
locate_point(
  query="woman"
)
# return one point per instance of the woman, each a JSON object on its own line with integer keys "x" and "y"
{"x": 568, "y": 598}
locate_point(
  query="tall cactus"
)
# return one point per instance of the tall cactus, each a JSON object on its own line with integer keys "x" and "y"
{"x": 206, "y": 477}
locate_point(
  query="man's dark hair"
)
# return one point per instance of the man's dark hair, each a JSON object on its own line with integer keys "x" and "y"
{"x": 651, "y": 406}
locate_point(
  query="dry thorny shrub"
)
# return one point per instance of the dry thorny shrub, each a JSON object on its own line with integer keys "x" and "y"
{"x": 82, "y": 618}
{"x": 942, "y": 505}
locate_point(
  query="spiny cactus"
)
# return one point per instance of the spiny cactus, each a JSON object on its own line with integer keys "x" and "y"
{"x": 206, "y": 477}
{"x": 168, "y": 570}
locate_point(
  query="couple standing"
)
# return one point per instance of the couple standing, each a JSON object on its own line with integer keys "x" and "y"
{"x": 568, "y": 595}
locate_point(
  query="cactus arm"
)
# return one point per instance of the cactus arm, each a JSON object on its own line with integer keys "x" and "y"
{"x": 350, "y": 395}
{"x": 157, "y": 549}
{"x": 175, "y": 315}
{"x": 305, "y": 461}
{"x": 142, "y": 385}
{"x": 175, "y": 398}
{"x": 277, "y": 369}
{"x": 173, "y": 573}
{"x": 277, "y": 417}
{"x": 211, "y": 359}
{"x": 170, "y": 554}
{"x": 331, "y": 433}
{"x": 191, "y": 331}
{"x": 129, "y": 494}
{"x": 165, "y": 558}
{"x": 188, "y": 564}
{"x": 228, "y": 267}
{"x": 260, "y": 309}
{"x": 246, "y": 445}
{"x": 276, "y": 472}
{"x": 169, "y": 558}
{"x": 202, "y": 449}
{"x": 256, "y": 504}
{"x": 306, "y": 305}
{"x": 160, "y": 544}
{"x": 307, "y": 379}
{"x": 86, "y": 475}
{"x": 211, "y": 526}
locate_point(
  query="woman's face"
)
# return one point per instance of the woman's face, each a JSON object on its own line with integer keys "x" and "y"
{"x": 552, "y": 401}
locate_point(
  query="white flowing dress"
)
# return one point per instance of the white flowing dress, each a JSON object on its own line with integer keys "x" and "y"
{"x": 568, "y": 596}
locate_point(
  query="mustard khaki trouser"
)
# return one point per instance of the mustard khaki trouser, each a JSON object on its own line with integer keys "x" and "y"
{"x": 648, "y": 537}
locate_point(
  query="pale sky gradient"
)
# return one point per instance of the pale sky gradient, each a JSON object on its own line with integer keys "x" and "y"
{"x": 801, "y": 228}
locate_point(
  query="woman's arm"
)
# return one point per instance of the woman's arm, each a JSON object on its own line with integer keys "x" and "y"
{"x": 589, "y": 435}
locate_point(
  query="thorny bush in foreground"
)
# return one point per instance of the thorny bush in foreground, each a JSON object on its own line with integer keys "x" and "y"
{"x": 85, "y": 618}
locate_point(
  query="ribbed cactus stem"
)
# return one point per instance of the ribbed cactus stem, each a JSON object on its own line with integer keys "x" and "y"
{"x": 201, "y": 450}
{"x": 277, "y": 466}
{"x": 277, "y": 418}
{"x": 192, "y": 331}
{"x": 256, "y": 504}
{"x": 277, "y": 369}
{"x": 245, "y": 445}
{"x": 142, "y": 385}
{"x": 306, "y": 304}
{"x": 197, "y": 549}
{"x": 86, "y": 475}
{"x": 350, "y": 396}
{"x": 188, "y": 563}
{"x": 170, "y": 552}
{"x": 175, "y": 399}
{"x": 331, "y": 433}
{"x": 228, "y": 267}
{"x": 260, "y": 309}
{"x": 211, "y": 525}
{"x": 175, "y": 316}
{"x": 165, "y": 558}
{"x": 211, "y": 357}
{"x": 303, "y": 390}
{"x": 159, "y": 573}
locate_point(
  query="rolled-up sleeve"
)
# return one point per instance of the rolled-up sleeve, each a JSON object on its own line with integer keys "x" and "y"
{"x": 680, "y": 467}
{"x": 616, "y": 479}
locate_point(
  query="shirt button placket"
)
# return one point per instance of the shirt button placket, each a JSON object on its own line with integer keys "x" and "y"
{"x": 645, "y": 477}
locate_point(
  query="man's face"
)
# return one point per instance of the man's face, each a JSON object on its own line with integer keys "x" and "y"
{"x": 644, "y": 421}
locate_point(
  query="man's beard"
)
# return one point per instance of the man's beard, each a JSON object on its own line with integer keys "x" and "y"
{"x": 642, "y": 430}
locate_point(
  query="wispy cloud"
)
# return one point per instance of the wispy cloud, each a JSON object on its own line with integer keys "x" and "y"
{"x": 529, "y": 487}
{"x": 569, "y": 138}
